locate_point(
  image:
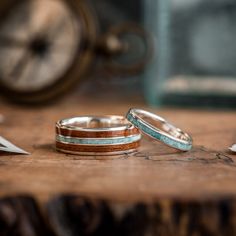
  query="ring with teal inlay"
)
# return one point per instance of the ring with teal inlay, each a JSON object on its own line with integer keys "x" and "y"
{"x": 97, "y": 135}
{"x": 98, "y": 141}
{"x": 159, "y": 129}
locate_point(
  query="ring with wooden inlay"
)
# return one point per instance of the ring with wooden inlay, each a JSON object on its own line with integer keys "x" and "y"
{"x": 96, "y": 135}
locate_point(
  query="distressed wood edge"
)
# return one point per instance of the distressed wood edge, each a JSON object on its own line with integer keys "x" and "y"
{"x": 80, "y": 215}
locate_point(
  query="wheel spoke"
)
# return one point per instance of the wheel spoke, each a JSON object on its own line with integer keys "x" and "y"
{"x": 33, "y": 68}
{"x": 6, "y": 41}
{"x": 19, "y": 68}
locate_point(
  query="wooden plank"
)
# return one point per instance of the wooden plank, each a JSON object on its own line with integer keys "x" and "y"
{"x": 197, "y": 184}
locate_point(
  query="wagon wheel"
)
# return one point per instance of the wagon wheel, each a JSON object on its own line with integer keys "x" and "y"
{"x": 46, "y": 46}
{"x": 127, "y": 49}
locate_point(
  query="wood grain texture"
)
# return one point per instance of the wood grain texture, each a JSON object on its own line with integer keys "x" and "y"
{"x": 155, "y": 191}
{"x": 98, "y": 134}
{"x": 98, "y": 148}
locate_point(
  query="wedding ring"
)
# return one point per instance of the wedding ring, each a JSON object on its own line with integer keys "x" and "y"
{"x": 159, "y": 129}
{"x": 96, "y": 135}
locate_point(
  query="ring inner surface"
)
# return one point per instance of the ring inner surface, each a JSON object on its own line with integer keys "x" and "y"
{"x": 97, "y": 122}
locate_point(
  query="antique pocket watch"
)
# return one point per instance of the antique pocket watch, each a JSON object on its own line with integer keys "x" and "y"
{"x": 47, "y": 46}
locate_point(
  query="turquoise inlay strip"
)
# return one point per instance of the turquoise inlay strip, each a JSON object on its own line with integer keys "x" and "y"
{"x": 98, "y": 141}
{"x": 163, "y": 138}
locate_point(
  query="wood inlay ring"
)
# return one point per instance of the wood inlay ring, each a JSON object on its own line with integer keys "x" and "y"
{"x": 102, "y": 135}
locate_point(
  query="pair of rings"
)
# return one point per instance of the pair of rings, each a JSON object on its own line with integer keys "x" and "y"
{"x": 112, "y": 135}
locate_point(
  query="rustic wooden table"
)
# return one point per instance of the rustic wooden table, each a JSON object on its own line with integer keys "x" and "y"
{"x": 156, "y": 191}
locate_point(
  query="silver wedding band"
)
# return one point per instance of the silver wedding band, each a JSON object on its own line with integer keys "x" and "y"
{"x": 159, "y": 129}
{"x": 96, "y": 135}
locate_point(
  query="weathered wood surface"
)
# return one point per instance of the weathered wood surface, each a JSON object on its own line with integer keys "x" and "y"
{"x": 156, "y": 191}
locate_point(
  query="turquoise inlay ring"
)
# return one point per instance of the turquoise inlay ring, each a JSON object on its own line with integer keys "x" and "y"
{"x": 97, "y": 135}
{"x": 159, "y": 129}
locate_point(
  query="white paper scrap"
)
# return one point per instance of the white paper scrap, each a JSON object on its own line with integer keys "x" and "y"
{"x": 233, "y": 148}
{"x": 6, "y": 146}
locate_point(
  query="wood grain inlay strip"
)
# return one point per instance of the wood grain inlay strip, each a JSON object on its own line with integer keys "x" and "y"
{"x": 89, "y": 148}
{"x": 96, "y": 134}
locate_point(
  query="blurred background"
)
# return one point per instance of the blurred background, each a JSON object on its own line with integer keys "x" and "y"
{"x": 164, "y": 52}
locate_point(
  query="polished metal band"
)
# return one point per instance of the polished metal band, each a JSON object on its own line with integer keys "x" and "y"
{"x": 159, "y": 129}
{"x": 96, "y": 135}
